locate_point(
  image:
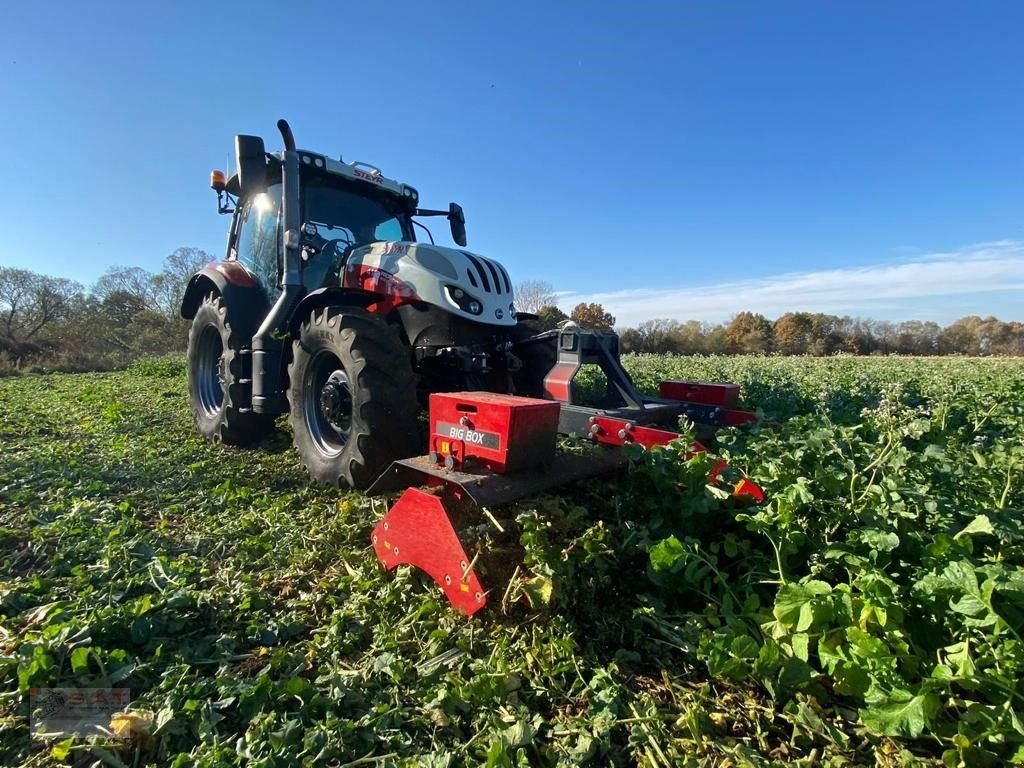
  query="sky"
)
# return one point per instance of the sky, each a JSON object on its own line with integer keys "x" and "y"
{"x": 671, "y": 160}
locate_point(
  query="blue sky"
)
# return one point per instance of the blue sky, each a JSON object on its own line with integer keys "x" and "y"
{"x": 684, "y": 160}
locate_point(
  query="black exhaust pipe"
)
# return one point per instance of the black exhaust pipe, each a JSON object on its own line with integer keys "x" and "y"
{"x": 267, "y": 349}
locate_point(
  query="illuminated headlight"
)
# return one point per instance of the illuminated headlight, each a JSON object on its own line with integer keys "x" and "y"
{"x": 463, "y": 300}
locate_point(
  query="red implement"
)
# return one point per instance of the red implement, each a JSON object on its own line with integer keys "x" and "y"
{"x": 417, "y": 531}
{"x": 617, "y": 432}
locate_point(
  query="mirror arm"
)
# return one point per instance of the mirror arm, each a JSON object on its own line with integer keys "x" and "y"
{"x": 429, "y": 233}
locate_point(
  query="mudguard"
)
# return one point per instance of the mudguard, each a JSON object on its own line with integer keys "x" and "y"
{"x": 244, "y": 296}
{"x": 330, "y": 296}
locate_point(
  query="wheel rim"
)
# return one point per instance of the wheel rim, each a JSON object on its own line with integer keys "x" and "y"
{"x": 327, "y": 403}
{"x": 210, "y": 379}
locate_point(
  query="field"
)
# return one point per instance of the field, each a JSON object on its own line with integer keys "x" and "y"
{"x": 870, "y": 613}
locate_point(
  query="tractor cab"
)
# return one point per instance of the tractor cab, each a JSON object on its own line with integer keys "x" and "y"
{"x": 342, "y": 206}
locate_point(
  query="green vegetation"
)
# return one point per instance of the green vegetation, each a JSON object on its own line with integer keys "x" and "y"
{"x": 870, "y": 613}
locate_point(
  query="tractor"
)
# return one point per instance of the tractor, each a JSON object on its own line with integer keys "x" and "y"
{"x": 328, "y": 309}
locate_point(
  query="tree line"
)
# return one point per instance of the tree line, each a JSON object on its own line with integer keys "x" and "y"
{"x": 55, "y": 323}
{"x": 794, "y": 333}
{"x": 59, "y": 324}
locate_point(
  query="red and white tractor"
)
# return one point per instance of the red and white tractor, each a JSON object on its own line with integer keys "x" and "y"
{"x": 328, "y": 309}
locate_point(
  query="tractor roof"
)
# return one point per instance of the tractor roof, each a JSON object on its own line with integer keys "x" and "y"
{"x": 354, "y": 171}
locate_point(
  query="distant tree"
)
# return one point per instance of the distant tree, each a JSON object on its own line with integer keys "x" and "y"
{"x": 134, "y": 280}
{"x": 689, "y": 338}
{"x": 657, "y": 336}
{"x": 29, "y": 304}
{"x": 974, "y": 335}
{"x": 857, "y": 336}
{"x": 749, "y": 333}
{"x": 918, "y": 338}
{"x": 1014, "y": 343}
{"x": 630, "y": 341}
{"x": 592, "y": 316}
{"x": 885, "y": 337}
{"x": 549, "y": 317}
{"x": 825, "y": 336}
{"x": 792, "y": 333}
{"x": 119, "y": 307}
{"x": 534, "y": 295}
{"x": 715, "y": 340}
{"x": 168, "y": 285}
{"x": 961, "y": 337}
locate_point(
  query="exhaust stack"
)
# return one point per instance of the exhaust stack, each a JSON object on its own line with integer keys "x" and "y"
{"x": 267, "y": 351}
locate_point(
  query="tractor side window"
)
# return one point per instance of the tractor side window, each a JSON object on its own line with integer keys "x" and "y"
{"x": 389, "y": 230}
{"x": 258, "y": 242}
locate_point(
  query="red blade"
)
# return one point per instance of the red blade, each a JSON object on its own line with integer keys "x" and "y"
{"x": 417, "y": 531}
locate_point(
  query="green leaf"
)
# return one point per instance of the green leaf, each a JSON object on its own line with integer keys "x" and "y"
{"x": 901, "y": 714}
{"x": 744, "y": 647}
{"x": 80, "y": 660}
{"x": 800, "y": 643}
{"x": 538, "y": 590}
{"x": 667, "y": 556}
{"x": 795, "y": 604}
{"x": 62, "y": 749}
{"x": 979, "y": 525}
{"x": 881, "y": 541}
{"x": 851, "y": 679}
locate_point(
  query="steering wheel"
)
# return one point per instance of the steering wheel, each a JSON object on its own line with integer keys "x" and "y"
{"x": 324, "y": 265}
{"x": 334, "y": 247}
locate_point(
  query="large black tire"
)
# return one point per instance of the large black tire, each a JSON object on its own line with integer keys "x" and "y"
{"x": 215, "y": 373}
{"x": 353, "y": 397}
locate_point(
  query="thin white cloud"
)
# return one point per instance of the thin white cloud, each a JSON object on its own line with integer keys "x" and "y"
{"x": 980, "y": 268}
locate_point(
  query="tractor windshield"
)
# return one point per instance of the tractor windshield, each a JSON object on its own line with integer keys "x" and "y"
{"x": 353, "y": 216}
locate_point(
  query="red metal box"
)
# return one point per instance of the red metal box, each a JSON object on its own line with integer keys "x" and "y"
{"x": 504, "y": 433}
{"x": 701, "y": 392}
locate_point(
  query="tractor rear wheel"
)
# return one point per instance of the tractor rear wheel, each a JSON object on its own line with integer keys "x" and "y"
{"x": 215, "y": 386}
{"x": 352, "y": 395}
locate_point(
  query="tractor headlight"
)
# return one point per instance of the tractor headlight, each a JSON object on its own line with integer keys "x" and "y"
{"x": 459, "y": 298}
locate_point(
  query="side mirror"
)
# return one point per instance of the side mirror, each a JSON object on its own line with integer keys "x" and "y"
{"x": 457, "y": 220}
{"x": 252, "y": 164}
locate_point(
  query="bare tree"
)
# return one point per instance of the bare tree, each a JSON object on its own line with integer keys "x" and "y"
{"x": 29, "y": 302}
{"x": 169, "y": 285}
{"x": 534, "y": 295}
{"x": 134, "y": 280}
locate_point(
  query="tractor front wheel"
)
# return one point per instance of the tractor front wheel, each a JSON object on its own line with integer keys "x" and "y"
{"x": 352, "y": 396}
{"x": 215, "y": 386}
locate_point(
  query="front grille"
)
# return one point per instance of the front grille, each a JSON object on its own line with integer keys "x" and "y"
{"x": 490, "y": 273}
{"x": 480, "y": 271}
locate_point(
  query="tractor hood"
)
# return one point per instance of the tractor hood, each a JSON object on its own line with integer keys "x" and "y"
{"x": 458, "y": 281}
